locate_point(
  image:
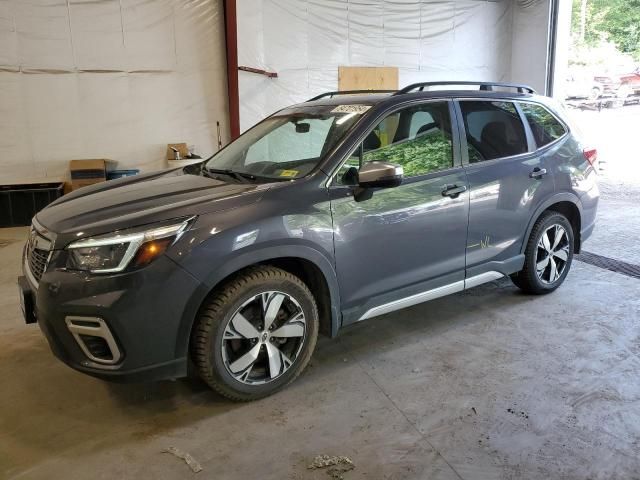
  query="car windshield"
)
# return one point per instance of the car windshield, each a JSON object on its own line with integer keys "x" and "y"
{"x": 287, "y": 145}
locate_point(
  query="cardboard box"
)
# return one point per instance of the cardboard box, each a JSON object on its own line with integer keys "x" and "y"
{"x": 87, "y": 172}
{"x": 181, "y": 147}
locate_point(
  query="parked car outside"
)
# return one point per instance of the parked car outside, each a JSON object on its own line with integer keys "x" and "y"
{"x": 610, "y": 84}
{"x": 577, "y": 87}
{"x": 631, "y": 81}
{"x": 324, "y": 214}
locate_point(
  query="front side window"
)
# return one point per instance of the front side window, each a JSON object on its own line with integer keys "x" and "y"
{"x": 417, "y": 138}
{"x": 493, "y": 130}
{"x": 287, "y": 145}
{"x": 544, "y": 126}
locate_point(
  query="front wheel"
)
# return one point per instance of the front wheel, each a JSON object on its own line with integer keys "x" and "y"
{"x": 548, "y": 255}
{"x": 256, "y": 334}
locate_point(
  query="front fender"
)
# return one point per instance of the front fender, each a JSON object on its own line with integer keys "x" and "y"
{"x": 252, "y": 256}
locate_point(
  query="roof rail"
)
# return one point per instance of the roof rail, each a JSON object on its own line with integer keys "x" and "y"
{"x": 347, "y": 92}
{"x": 488, "y": 86}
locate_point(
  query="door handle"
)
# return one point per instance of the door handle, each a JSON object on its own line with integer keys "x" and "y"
{"x": 453, "y": 190}
{"x": 538, "y": 172}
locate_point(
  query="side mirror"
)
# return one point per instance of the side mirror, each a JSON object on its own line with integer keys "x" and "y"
{"x": 380, "y": 175}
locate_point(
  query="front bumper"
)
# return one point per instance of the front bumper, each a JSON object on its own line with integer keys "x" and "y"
{"x": 147, "y": 313}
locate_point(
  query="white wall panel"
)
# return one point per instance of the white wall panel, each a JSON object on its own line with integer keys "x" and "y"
{"x": 107, "y": 114}
{"x": 52, "y": 106}
{"x": 114, "y": 79}
{"x": 530, "y": 44}
{"x": 8, "y": 36}
{"x": 250, "y": 26}
{"x": 285, "y": 30}
{"x": 44, "y": 38}
{"x": 15, "y": 150}
{"x": 437, "y": 37}
{"x": 98, "y": 34}
{"x": 305, "y": 41}
{"x": 365, "y": 40}
{"x": 149, "y": 34}
{"x": 402, "y": 20}
{"x": 328, "y": 26}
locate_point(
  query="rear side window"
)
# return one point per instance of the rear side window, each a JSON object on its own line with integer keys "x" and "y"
{"x": 544, "y": 126}
{"x": 494, "y": 130}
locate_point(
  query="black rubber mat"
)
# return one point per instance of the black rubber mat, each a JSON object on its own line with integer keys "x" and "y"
{"x": 611, "y": 264}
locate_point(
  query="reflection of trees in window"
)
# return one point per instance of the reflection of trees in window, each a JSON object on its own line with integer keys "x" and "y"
{"x": 421, "y": 155}
{"x": 543, "y": 124}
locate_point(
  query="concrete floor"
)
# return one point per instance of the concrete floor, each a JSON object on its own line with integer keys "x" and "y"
{"x": 487, "y": 384}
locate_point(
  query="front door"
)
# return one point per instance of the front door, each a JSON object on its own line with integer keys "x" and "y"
{"x": 406, "y": 244}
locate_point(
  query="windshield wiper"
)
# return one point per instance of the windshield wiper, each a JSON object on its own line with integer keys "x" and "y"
{"x": 230, "y": 173}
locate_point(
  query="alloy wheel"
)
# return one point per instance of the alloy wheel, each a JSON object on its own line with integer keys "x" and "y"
{"x": 263, "y": 338}
{"x": 552, "y": 254}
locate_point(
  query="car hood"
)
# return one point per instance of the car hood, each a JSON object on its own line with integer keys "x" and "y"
{"x": 143, "y": 199}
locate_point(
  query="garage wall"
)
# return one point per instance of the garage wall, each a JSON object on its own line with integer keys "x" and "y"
{"x": 563, "y": 42}
{"x": 305, "y": 41}
{"x": 114, "y": 79}
{"x": 529, "y": 50}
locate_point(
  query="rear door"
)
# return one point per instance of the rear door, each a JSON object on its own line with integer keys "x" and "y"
{"x": 395, "y": 247}
{"x": 507, "y": 181}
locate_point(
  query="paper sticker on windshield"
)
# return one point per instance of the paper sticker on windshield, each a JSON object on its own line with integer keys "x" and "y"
{"x": 289, "y": 173}
{"x": 351, "y": 109}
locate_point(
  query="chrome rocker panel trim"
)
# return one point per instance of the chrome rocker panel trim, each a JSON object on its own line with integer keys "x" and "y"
{"x": 432, "y": 294}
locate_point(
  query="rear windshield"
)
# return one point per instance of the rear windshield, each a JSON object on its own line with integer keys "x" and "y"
{"x": 289, "y": 144}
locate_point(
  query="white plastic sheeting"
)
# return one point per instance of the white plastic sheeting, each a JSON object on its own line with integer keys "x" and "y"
{"x": 530, "y": 48}
{"x": 114, "y": 79}
{"x": 305, "y": 41}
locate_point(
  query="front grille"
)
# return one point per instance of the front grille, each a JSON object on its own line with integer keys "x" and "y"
{"x": 37, "y": 262}
{"x": 37, "y": 254}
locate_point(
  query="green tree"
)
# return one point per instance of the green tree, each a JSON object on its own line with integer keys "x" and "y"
{"x": 615, "y": 20}
{"x": 621, "y": 22}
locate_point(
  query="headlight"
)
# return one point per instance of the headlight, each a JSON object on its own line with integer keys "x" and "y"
{"x": 115, "y": 251}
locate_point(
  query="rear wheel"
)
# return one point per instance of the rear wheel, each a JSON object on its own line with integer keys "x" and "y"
{"x": 256, "y": 334}
{"x": 548, "y": 255}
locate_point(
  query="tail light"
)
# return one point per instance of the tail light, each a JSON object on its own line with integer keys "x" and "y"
{"x": 591, "y": 154}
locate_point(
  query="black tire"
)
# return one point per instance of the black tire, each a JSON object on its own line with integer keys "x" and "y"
{"x": 216, "y": 314}
{"x": 527, "y": 279}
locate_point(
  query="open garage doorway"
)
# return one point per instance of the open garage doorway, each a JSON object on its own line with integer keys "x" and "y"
{"x": 601, "y": 88}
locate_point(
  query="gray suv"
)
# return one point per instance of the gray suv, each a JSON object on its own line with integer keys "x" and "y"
{"x": 345, "y": 207}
